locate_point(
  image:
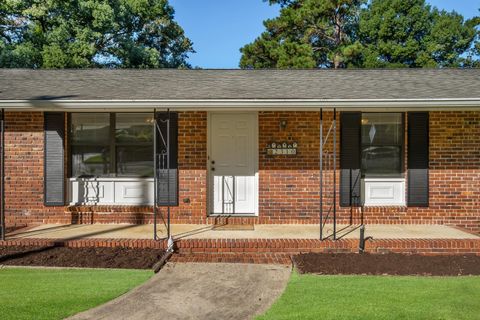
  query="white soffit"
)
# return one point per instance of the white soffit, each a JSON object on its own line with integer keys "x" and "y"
{"x": 297, "y": 104}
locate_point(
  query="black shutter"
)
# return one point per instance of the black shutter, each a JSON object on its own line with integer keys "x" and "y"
{"x": 164, "y": 186}
{"x": 54, "y": 164}
{"x": 417, "y": 163}
{"x": 350, "y": 144}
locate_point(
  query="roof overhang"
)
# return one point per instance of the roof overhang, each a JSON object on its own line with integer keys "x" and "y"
{"x": 255, "y": 104}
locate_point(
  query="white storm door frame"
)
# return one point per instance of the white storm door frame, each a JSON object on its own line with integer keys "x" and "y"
{"x": 210, "y": 175}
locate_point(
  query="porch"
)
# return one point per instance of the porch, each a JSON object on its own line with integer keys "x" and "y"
{"x": 410, "y": 160}
{"x": 262, "y": 231}
{"x": 265, "y": 244}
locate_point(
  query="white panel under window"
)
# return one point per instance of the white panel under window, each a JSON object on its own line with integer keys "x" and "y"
{"x": 111, "y": 191}
{"x": 384, "y": 191}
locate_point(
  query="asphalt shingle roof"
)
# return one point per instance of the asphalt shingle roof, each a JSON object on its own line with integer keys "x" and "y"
{"x": 169, "y": 84}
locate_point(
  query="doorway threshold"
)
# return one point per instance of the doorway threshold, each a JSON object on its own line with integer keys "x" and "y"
{"x": 222, "y": 222}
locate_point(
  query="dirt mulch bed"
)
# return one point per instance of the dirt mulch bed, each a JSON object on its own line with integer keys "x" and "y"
{"x": 391, "y": 264}
{"x": 80, "y": 257}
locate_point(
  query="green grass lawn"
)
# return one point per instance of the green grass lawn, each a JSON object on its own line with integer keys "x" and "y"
{"x": 377, "y": 297}
{"x": 57, "y": 293}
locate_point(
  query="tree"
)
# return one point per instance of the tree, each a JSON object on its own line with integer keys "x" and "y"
{"x": 307, "y": 34}
{"x": 91, "y": 33}
{"x": 410, "y": 33}
{"x": 475, "y": 52}
{"x": 344, "y": 33}
{"x": 10, "y": 29}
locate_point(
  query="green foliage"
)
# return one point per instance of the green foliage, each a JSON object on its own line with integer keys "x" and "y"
{"x": 58, "y": 293}
{"x": 475, "y": 52}
{"x": 307, "y": 34}
{"x": 377, "y": 297}
{"x": 91, "y": 33}
{"x": 409, "y": 33}
{"x": 347, "y": 33}
{"x": 272, "y": 54}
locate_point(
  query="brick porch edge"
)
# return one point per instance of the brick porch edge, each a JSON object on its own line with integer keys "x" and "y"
{"x": 265, "y": 250}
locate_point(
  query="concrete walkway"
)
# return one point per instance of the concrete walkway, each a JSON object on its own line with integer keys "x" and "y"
{"x": 199, "y": 291}
{"x": 262, "y": 231}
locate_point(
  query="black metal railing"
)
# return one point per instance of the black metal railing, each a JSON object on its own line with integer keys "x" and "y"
{"x": 161, "y": 167}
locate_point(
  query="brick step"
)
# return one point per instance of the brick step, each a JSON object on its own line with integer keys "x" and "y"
{"x": 229, "y": 220}
{"x": 257, "y": 258}
{"x": 104, "y": 215}
{"x": 109, "y": 212}
{"x": 248, "y": 247}
{"x": 108, "y": 209}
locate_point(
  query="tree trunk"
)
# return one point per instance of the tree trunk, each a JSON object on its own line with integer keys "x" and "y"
{"x": 336, "y": 61}
{"x": 337, "y": 58}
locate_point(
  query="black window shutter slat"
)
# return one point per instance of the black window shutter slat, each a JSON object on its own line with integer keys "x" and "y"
{"x": 418, "y": 156}
{"x": 54, "y": 164}
{"x": 350, "y": 142}
{"x": 163, "y": 186}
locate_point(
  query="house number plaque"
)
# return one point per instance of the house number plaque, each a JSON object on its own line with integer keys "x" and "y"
{"x": 282, "y": 148}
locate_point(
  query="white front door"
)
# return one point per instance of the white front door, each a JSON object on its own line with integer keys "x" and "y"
{"x": 232, "y": 162}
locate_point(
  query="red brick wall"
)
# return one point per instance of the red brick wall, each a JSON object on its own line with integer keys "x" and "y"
{"x": 192, "y": 159}
{"x": 288, "y": 184}
{"x": 454, "y": 176}
{"x": 24, "y": 170}
{"x": 24, "y": 139}
{"x": 454, "y": 169}
{"x": 263, "y": 250}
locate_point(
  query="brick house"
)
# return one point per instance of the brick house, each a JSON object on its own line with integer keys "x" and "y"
{"x": 395, "y": 146}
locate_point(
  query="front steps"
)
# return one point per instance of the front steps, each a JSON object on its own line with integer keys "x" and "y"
{"x": 276, "y": 251}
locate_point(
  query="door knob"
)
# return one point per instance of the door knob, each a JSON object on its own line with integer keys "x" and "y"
{"x": 213, "y": 162}
{"x": 213, "y": 169}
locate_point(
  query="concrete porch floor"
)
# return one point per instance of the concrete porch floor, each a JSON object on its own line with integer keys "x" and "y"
{"x": 195, "y": 231}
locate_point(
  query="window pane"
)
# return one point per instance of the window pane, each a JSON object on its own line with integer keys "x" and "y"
{"x": 90, "y": 128}
{"x": 90, "y": 160}
{"x": 382, "y": 129}
{"x": 134, "y": 127}
{"x": 135, "y": 161}
{"x": 381, "y": 160}
{"x": 382, "y": 139}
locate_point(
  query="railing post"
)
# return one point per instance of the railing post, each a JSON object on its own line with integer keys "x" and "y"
{"x": 334, "y": 174}
{"x": 168, "y": 175}
{"x": 2, "y": 182}
{"x": 155, "y": 173}
{"x": 321, "y": 174}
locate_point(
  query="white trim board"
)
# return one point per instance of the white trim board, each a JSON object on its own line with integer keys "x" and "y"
{"x": 431, "y": 104}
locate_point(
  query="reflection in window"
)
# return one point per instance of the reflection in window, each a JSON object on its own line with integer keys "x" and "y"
{"x": 134, "y": 160}
{"x": 134, "y": 144}
{"x": 382, "y": 142}
{"x": 90, "y": 161}
{"x": 134, "y": 127}
{"x": 90, "y": 128}
{"x": 98, "y": 150}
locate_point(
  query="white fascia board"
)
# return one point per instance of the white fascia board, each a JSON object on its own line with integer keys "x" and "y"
{"x": 264, "y": 104}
